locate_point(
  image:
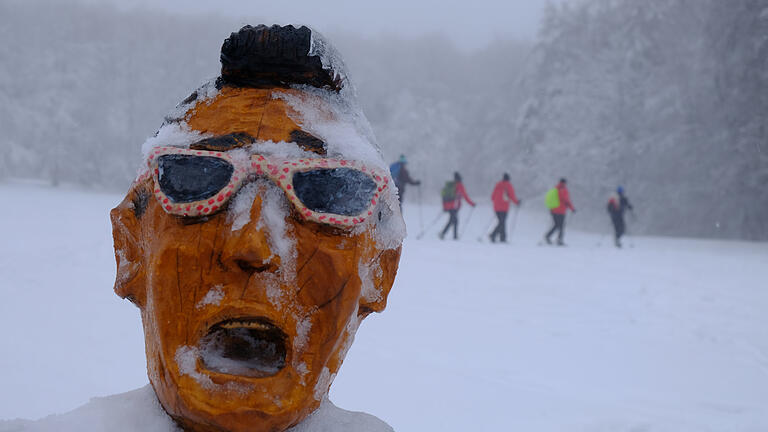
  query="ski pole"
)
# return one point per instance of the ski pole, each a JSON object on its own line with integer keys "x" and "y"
{"x": 630, "y": 238}
{"x": 485, "y": 231}
{"x": 466, "y": 224}
{"x": 431, "y": 224}
{"x": 603, "y": 235}
{"x": 421, "y": 210}
{"x": 602, "y": 238}
{"x": 514, "y": 222}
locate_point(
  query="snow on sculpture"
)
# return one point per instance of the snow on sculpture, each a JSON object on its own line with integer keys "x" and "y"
{"x": 262, "y": 228}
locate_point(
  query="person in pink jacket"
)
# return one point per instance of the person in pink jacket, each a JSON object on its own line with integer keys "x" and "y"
{"x": 503, "y": 194}
{"x": 452, "y": 194}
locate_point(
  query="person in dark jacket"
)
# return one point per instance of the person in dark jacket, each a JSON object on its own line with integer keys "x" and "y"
{"x": 402, "y": 177}
{"x": 453, "y": 192}
{"x": 558, "y": 213}
{"x": 503, "y": 194}
{"x": 617, "y": 205}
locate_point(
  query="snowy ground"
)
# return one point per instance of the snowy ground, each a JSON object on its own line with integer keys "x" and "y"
{"x": 670, "y": 335}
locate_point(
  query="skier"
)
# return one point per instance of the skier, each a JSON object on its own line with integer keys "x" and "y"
{"x": 402, "y": 177}
{"x": 503, "y": 194}
{"x": 617, "y": 205}
{"x": 452, "y": 193}
{"x": 558, "y": 202}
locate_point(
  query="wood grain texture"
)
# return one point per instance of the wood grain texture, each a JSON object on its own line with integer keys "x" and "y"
{"x": 245, "y": 110}
{"x": 167, "y": 265}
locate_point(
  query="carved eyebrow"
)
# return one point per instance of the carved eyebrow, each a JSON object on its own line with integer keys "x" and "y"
{"x": 223, "y": 142}
{"x": 140, "y": 201}
{"x": 309, "y": 142}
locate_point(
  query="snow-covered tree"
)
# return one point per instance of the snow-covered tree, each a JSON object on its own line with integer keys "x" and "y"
{"x": 662, "y": 96}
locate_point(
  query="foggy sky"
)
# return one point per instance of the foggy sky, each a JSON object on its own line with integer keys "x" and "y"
{"x": 471, "y": 24}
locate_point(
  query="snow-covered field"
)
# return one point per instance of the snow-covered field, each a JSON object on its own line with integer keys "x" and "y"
{"x": 668, "y": 335}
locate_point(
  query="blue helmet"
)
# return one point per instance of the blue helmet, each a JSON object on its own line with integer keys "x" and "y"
{"x": 620, "y": 190}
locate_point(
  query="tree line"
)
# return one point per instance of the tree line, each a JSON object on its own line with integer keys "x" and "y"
{"x": 665, "y": 97}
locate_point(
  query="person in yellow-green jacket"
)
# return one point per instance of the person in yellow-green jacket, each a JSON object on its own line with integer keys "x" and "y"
{"x": 558, "y": 201}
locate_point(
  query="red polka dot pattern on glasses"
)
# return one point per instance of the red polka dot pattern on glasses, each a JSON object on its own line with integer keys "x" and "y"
{"x": 279, "y": 170}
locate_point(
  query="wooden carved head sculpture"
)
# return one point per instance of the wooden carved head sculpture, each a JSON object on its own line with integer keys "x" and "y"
{"x": 262, "y": 228}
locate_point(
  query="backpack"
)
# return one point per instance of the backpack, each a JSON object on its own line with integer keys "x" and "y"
{"x": 394, "y": 169}
{"x": 449, "y": 192}
{"x": 614, "y": 205}
{"x": 553, "y": 198}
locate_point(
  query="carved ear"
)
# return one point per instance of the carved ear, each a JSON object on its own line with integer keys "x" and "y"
{"x": 129, "y": 255}
{"x": 384, "y": 269}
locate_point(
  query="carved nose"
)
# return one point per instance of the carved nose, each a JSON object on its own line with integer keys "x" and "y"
{"x": 247, "y": 249}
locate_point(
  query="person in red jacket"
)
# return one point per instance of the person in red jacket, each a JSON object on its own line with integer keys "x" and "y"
{"x": 452, "y": 194}
{"x": 558, "y": 213}
{"x": 503, "y": 194}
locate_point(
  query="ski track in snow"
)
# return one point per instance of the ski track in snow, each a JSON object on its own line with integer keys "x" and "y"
{"x": 670, "y": 335}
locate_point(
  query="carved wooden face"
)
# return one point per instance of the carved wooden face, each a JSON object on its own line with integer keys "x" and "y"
{"x": 247, "y": 312}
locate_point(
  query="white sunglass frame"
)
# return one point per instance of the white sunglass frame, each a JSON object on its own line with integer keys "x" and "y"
{"x": 279, "y": 170}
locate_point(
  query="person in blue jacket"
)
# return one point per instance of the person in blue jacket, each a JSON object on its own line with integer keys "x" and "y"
{"x": 402, "y": 177}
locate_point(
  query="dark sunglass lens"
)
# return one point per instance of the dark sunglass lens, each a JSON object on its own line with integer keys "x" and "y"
{"x": 188, "y": 178}
{"x": 342, "y": 191}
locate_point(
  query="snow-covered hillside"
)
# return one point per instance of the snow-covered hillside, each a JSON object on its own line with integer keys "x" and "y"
{"x": 668, "y": 335}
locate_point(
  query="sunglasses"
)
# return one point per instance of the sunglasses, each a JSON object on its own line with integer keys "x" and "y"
{"x": 193, "y": 183}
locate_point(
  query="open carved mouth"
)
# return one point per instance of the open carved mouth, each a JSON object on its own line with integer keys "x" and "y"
{"x": 251, "y": 347}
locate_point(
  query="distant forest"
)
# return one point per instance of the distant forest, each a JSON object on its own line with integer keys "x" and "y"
{"x": 668, "y": 98}
{"x": 665, "y": 97}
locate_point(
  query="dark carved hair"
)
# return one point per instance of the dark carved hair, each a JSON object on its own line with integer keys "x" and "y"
{"x": 264, "y": 56}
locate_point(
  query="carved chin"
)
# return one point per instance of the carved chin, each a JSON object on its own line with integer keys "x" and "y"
{"x": 251, "y": 347}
